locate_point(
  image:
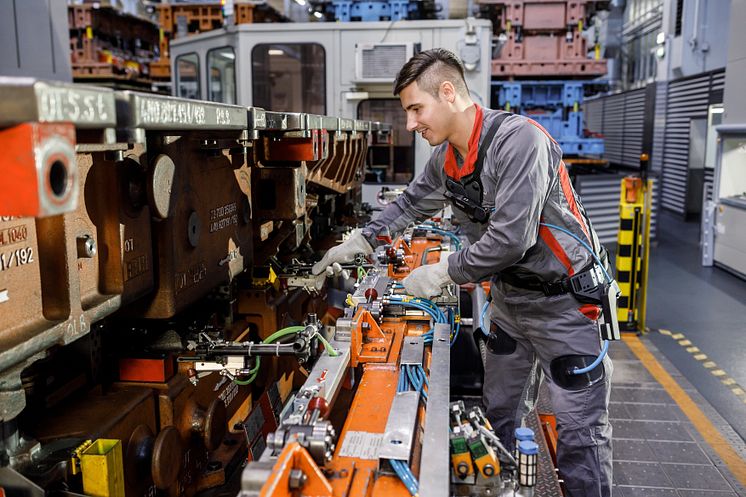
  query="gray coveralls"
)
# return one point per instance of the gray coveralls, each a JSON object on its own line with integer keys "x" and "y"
{"x": 526, "y": 182}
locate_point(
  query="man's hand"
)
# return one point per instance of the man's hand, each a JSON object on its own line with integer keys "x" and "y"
{"x": 428, "y": 281}
{"x": 344, "y": 252}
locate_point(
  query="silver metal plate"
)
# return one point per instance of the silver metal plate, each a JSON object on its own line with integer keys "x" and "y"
{"x": 257, "y": 118}
{"x": 412, "y": 351}
{"x": 434, "y": 468}
{"x": 140, "y": 110}
{"x": 399, "y": 435}
{"x": 362, "y": 125}
{"x": 346, "y": 124}
{"x": 285, "y": 121}
{"x": 324, "y": 379}
{"x": 31, "y": 100}
{"x": 375, "y": 281}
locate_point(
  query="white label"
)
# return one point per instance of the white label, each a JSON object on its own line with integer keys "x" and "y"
{"x": 154, "y": 111}
{"x": 16, "y": 258}
{"x": 223, "y": 216}
{"x": 229, "y": 394}
{"x": 223, "y": 116}
{"x": 58, "y": 104}
{"x": 361, "y": 444}
{"x": 4, "y": 296}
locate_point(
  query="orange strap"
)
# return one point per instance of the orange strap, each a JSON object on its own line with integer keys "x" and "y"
{"x": 570, "y": 197}
{"x": 556, "y": 249}
{"x": 451, "y": 166}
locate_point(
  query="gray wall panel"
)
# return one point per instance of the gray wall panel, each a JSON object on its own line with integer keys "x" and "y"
{"x": 35, "y": 39}
{"x": 687, "y": 99}
{"x": 621, "y": 118}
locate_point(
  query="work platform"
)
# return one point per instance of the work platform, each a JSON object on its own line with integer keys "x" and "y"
{"x": 668, "y": 440}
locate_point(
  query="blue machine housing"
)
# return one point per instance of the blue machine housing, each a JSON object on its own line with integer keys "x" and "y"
{"x": 372, "y": 10}
{"x": 556, "y": 106}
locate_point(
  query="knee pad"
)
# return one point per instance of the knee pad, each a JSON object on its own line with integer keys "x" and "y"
{"x": 562, "y": 366}
{"x": 499, "y": 342}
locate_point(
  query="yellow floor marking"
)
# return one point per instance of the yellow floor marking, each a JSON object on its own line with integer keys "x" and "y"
{"x": 692, "y": 350}
{"x": 738, "y": 391}
{"x": 700, "y": 357}
{"x": 729, "y": 381}
{"x": 677, "y": 336}
{"x": 701, "y": 422}
{"x": 709, "y": 364}
{"x": 718, "y": 372}
{"x": 664, "y": 332}
{"x": 685, "y": 343}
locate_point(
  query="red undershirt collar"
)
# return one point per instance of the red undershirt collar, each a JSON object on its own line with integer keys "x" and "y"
{"x": 451, "y": 165}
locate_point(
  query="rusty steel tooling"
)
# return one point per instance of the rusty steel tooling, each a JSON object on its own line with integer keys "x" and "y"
{"x": 143, "y": 205}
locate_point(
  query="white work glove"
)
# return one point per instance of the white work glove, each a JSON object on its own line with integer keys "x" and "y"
{"x": 428, "y": 281}
{"x": 344, "y": 252}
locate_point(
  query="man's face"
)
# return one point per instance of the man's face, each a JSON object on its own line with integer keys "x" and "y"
{"x": 426, "y": 114}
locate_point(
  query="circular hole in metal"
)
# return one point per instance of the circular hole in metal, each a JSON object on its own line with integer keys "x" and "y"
{"x": 58, "y": 178}
{"x": 441, "y": 339}
{"x": 396, "y": 442}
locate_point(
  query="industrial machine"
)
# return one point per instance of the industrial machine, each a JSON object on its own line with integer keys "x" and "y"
{"x": 162, "y": 333}
{"x": 343, "y": 69}
{"x": 131, "y": 225}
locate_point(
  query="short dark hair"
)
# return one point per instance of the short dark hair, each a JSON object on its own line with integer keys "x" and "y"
{"x": 430, "y": 69}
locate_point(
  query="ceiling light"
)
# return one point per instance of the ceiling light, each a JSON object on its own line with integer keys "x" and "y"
{"x": 318, "y": 15}
{"x": 275, "y": 51}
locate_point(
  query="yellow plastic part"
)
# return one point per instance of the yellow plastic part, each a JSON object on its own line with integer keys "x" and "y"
{"x": 103, "y": 469}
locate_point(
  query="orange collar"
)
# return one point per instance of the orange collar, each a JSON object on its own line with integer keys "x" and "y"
{"x": 451, "y": 166}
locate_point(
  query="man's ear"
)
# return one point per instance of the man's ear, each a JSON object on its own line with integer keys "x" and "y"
{"x": 447, "y": 91}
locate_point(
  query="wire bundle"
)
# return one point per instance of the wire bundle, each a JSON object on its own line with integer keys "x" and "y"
{"x": 290, "y": 330}
{"x": 412, "y": 377}
{"x": 405, "y": 475}
{"x": 438, "y": 231}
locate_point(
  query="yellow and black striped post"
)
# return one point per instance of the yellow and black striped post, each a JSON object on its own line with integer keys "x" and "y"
{"x": 633, "y": 249}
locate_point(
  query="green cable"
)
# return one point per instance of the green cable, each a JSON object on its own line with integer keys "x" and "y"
{"x": 329, "y": 349}
{"x": 274, "y": 336}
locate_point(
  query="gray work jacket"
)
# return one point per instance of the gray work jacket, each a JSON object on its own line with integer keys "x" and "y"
{"x": 525, "y": 181}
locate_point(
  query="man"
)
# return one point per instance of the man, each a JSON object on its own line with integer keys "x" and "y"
{"x": 511, "y": 192}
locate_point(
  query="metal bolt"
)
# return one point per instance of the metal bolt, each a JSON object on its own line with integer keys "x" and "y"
{"x": 86, "y": 247}
{"x": 297, "y": 479}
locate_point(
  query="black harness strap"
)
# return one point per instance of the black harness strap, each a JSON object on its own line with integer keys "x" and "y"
{"x": 467, "y": 193}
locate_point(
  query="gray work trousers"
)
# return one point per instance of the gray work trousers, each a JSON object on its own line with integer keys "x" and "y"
{"x": 535, "y": 329}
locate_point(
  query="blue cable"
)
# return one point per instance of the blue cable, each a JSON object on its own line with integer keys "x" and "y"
{"x": 594, "y": 363}
{"x": 587, "y": 247}
{"x": 444, "y": 232}
{"x": 405, "y": 475}
{"x": 481, "y": 318}
{"x": 605, "y": 347}
{"x": 421, "y": 371}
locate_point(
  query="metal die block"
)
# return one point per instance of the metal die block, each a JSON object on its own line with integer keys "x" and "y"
{"x": 279, "y": 192}
{"x": 413, "y": 349}
{"x": 200, "y": 414}
{"x": 400, "y": 427}
{"x": 128, "y": 415}
{"x": 112, "y": 229}
{"x": 288, "y": 148}
{"x": 39, "y": 171}
{"x": 205, "y": 236}
{"x": 22, "y": 294}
